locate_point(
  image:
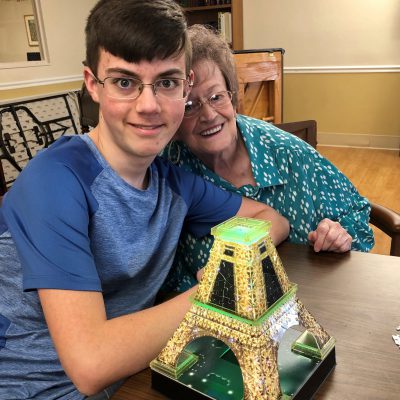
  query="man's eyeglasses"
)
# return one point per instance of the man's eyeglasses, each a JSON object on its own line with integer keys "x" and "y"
{"x": 122, "y": 88}
{"x": 217, "y": 100}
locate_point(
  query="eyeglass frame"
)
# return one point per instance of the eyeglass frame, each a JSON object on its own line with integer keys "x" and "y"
{"x": 207, "y": 101}
{"x": 186, "y": 81}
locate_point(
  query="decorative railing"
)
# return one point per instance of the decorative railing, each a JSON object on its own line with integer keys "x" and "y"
{"x": 28, "y": 126}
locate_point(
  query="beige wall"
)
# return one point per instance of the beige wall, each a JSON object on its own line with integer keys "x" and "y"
{"x": 352, "y": 105}
{"x": 326, "y": 33}
{"x": 64, "y": 22}
{"x": 350, "y": 108}
{"x": 13, "y": 38}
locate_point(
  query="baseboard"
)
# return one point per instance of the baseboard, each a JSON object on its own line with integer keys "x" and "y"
{"x": 389, "y": 142}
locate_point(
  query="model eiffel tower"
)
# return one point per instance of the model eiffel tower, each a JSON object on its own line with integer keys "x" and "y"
{"x": 246, "y": 301}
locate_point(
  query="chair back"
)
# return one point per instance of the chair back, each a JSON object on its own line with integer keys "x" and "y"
{"x": 3, "y": 184}
{"x": 388, "y": 221}
{"x": 88, "y": 110}
{"x": 305, "y": 130}
{"x": 26, "y": 128}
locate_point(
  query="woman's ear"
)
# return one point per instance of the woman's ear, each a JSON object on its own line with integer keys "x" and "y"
{"x": 191, "y": 78}
{"x": 91, "y": 84}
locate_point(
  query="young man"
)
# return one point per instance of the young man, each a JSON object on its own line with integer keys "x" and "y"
{"x": 89, "y": 229}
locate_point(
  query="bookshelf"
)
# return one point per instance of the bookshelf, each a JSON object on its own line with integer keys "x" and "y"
{"x": 208, "y": 12}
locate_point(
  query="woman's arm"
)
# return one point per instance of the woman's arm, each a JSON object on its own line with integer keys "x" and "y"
{"x": 279, "y": 225}
{"x": 343, "y": 213}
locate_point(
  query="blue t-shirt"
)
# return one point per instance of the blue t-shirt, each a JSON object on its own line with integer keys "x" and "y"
{"x": 70, "y": 222}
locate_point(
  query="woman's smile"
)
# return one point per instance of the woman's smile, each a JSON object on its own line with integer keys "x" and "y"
{"x": 212, "y": 131}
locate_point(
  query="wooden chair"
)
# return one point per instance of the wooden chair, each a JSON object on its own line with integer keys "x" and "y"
{"x": 388, "y": 221}
{"x": 260, "y": 77}
{"x": 88, "y": 110}
{"x": 305, "y": 130}
{"x": 385, "y": 219}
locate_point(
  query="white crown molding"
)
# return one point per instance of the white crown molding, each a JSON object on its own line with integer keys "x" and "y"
{"x": 40, "y": 82}
{"x": 341, "y": 69}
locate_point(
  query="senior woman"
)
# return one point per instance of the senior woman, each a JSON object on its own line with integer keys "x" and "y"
{"x": 260, "y": 161}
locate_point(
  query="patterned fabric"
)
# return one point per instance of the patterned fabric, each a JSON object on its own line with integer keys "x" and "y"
{"x": 292, "y": 178}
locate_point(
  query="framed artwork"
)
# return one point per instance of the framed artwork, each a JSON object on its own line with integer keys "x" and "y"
{"x": 31, "y": 30}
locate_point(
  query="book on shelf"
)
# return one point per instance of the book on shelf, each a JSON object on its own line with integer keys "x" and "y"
{"x": 225, "y": 25}
{"x": 202, "y": 3}
{"x": 216, "y": 2}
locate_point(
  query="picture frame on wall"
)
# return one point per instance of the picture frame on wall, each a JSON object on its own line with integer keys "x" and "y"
{"x": 31, "y": 30}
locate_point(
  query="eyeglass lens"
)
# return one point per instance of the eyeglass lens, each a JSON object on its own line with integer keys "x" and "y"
{"x": 131, "y": 88}
{"x": 217, "y": 100}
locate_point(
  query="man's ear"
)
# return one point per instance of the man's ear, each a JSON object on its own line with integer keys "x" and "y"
{"x": 91, "y": 84}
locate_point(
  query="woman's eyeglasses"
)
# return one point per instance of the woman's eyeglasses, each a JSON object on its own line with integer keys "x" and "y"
{"x": 122, "y": 88}
{"x": 215, "y": 101}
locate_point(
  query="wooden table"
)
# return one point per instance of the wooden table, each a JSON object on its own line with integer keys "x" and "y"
{"x": 356, "y": 298}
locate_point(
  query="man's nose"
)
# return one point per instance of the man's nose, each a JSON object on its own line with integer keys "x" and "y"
{"x": 147, "y": 101}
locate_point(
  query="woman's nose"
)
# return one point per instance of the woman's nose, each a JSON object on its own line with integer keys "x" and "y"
{"x": 207, "y": 112}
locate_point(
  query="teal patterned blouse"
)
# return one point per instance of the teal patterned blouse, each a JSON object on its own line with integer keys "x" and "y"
{"x": 291, "y": 177}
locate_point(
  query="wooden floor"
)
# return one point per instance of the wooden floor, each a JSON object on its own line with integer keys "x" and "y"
{"x": 376, "y": 175}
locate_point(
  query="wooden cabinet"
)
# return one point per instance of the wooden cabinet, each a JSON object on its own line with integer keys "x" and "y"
{"x": 206, "y": 12}
{"x": 260, "y": 77}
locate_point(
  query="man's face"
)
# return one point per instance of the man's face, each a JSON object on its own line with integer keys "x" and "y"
{"x": 135, "y": 130}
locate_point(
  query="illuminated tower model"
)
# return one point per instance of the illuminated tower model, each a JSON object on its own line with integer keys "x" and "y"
{"x": 245, "y": 301}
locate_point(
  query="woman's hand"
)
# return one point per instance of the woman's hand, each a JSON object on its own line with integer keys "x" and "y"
{"x": 330, "y": 236}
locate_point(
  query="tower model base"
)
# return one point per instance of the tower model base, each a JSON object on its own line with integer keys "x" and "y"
{"x": 217, "y": 375}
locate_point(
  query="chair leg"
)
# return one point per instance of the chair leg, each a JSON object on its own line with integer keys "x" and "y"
{"x": 395, "y": 246}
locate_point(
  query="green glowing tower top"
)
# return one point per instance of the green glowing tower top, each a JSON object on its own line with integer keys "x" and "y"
{"x": 244, "y": 231}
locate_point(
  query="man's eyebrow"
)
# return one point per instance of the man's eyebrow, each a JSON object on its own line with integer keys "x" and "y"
{"x": 172, "y": 72}
{"x": 168, "y": 73}
{"x": 121, "y": 71}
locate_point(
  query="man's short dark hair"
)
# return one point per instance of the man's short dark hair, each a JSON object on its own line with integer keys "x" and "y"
{"x": 136, "y": 30}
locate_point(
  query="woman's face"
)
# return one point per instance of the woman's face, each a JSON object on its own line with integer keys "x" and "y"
{"x": 211, "y": 131}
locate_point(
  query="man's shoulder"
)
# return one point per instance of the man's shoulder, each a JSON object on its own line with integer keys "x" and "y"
{"x": 73, "y": 151}
{"x": 68, "y": 155}
{"x": 66, "y": 170}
